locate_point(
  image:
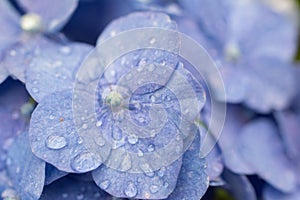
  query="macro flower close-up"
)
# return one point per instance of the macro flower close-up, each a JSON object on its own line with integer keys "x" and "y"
{"x": 149, "y": 99}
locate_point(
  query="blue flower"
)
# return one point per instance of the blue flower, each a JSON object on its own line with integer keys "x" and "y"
{"x": 134, "y": 149}
{"x": 254, "y": 44}
{"x": 23, "y": 36}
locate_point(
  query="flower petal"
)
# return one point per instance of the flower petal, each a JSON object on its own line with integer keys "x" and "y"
{"x": 54, "y": 138}
{"x": 55, "y": 67}
{"x": 260, "y": 145}
{"x": 149, "y": 185}
{"x": 271, "y": 193}
{"x": 193, "y": 180}
{"x": 240, "y": 186}
{"x": 26, "y": 171}
{"x": 54, "y": 17}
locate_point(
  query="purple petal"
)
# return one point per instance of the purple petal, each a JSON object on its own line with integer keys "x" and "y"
{"x": 137, "y": 20}
{"x": 271, "y": 193}
{"x": 271, "y": 85}
{"x": 70, "y": 189}
{"x": 9, "y": 21}
{"x": 260, "y": 145}
{"x": 54, "y": 17}
{"x": 26, "y": 171}
{"x": 54, "y": 68}
{"x": 193, "y": 180}
{"x": 240, "y": 186}
{"x": 228, "y": 141}
{"x": 54, "y": 137}
{"x": 148, "y": 185}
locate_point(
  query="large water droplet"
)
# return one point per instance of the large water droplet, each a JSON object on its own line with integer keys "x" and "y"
{"x": 131, "y": 190}
{"x": 117, "y": 133}
{"x": 105, "y": 184}
{"x": 100, "y": 140}
{"x": 161, "y": 172}
{"x": 84, "y": 162}
{"x": 154, "y": 189}
{"x": 56, "y": 142}
{"x": 133, "y": 139}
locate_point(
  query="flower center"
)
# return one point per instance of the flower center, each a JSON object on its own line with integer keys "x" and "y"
{"x": 232, "y": 52}
{"x": 114, "y": 99}
{"x": 31, "y": 22}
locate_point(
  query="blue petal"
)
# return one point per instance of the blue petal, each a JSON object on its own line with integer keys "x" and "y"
{"x": 54, "y": 68}
{"x": 149, "y": 185}
{"x": 213, "y": 16}
{"x": 193, "y": 180}
{"x": 260, "y": 144}
{"x": 54, "y": 17}
{"x": 26, "y": 171}
{"x": 9, "y": 20}
{"x": 3, "y": 72}
{"x": 271, "y": 193}
{"x": 137, "y": 20}
{"x": 70, "y": 189}
{"x": 240, "y": 186}
{"x": 235, "y": 119}
{"x": 289, "y": 126}
{"x": 261, "y": 30}
{"x": 54, "y": 137}
{"x": 18, "y": 56}
{"x": 214, "y": 164}
{"x": 271, "y": 84}
{"x": 52, "y": 174}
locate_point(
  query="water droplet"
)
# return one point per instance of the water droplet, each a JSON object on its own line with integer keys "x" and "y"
{"x": 84, "y": 126}
{"x": 35, "y": 90}
{"x": 151, "y": 67}
{"x": 166, "y": 184}
{"x": 51, "y": 117}
{"x": 140, "y": 153}
{"x": 133, "y": 139}
{"x": 13, "y": 53}
{"x": 161, "y": 172}
{"x": 65, "y": 50}
{"x": 105, "y": 184}
{"x": 116, "y": 133}
{"x": 152, "y": 98}
{"x": 152, "y": 41}
{"x": 56, "y": 142}
{"x": 100, "y": 140}
{"x": 145, "y": 167}
{"x": 84, "y": 162}
{"x": 154, "y": 189}
{"x": 141, "y": 119}
{"x": 80, "y": 140}
{"x": 151, "y": 148}
{"x": 99, "y": 123}
{"x": 131, "y": 190}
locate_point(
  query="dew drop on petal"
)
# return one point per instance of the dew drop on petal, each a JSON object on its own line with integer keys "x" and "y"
{"x": 154, "y": 189}
{"x": 99, "y": 123}
{"x": 161, "y": 172}
{"x": 151, "y": 148}
{"x": 133, "y": 139}
{"x": 65, "y": 50}
{"x": 84, "y": 162}
{"x": 35, "y": 90}
{"x": 100, "y": 140}
{"x": 56, "y": 142}
{"x": 131, "y": 190}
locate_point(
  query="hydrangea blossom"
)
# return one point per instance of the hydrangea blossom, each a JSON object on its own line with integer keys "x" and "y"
{"x": 254, "y": 45}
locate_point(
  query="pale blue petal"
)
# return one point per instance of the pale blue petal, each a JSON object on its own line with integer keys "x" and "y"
{"x": 52, "y": 174}
{"x": 271, "y": 193}
{"x": 54, "y": 137}
{"x": 193, "y": 180}
{"x": 55, "y": 13}
{"x": 260, "y": 144}
{"x": 26, "y": 171}
{"x": 54, "y": 68}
